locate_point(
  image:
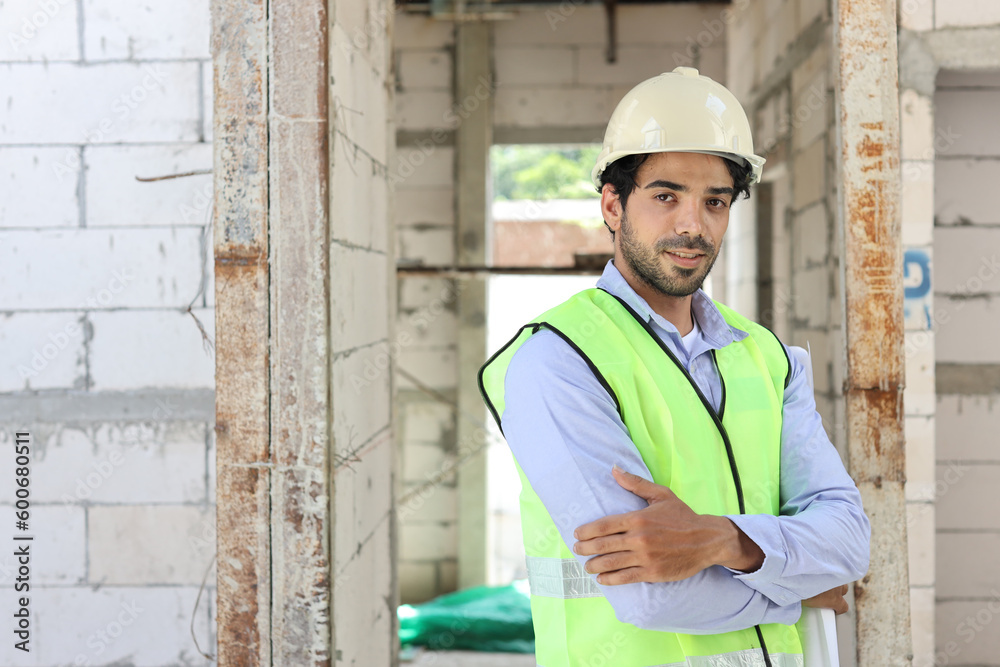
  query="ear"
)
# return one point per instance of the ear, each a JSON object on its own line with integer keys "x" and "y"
{"x": 611, "y": 207}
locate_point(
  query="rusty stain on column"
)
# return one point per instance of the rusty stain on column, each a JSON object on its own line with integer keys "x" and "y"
{"x": 868, "y": 198}
{"x": 239, "y": 48}
{"x": 272, "y": 417}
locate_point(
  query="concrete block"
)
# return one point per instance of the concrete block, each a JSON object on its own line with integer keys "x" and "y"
{"x": 425, "y": 69}
{"x": 533, "y": 65}
{"x": 361, "y": 385}
{"x": 965, "y": 427}
{"x": 434, "y": 504}
{"x": 39, "y": 31}
{"x": 811, "y": 237}
{"x": 967, "y": 564}
{"x": 154, "y": 462}
{"x": 916, "y": 15}
{"x": 448, "y": 575}
{"x": 416, "y": 292}
{"x": 524, "y": 106}
{"x": 712, "y": 63}
{"x": 144, "y": 627}
{"x": 704, "y": 24}
{"x": 207, "y": 100}
{"x": 360, "y": 97}
{"x": 965, "y": 630}
{"x": 565, "y": 24}
{"x": 149, "y": 544}
{"x": 99, "y": 269}
{"x": 965, "y": 494}
{"x": 428, "y": 541}
{"x": 423, "y": 109}
{"x": 426, "y": 421}
{"x": 956, "y": 182}
{"x": 112, "y": 103}
{"x": 416, "y": 31}
{"x": 42, "y": 351}
{"x": 116, "y": 198}
{"x": 58, "y": 550}
{"x": 31, "y": 196}
{"x": 150, "y": 30}
{"x": 920, "y": 543}
{"x": 916, "y": 126}
{"x": 922, "y": 625}
{"x": 423, "y": 167}
{"x": 361, "y": 277}
{"x": 954, "y": 78}
{"x": 965, "y": 13}
{"x": 436, "y": 368}
{"x": 417, "y": 582}
{"x": 363, "y": 498}
{"x": 431, "y": 325}
{"x": 425, "y": 206}
{"x": 961, "y": 127}
{"x": 811, "y": 111}
{"x": 920, "y": 461}
{"x": 967, "y": 260}
{"x": 919, "y": 394}
{"x": 421, "y": 462}
{"x": 362, "y": 606}
{"x": 811, "y": 10}
{"x": 809, "y": 166}
{"x": 632, "y": 63}
{"x": 965, "y": 330}
{"x": 151, "y": 348}
{"x": 431, "y": 246}
{"x": 811, "y": 288}
{"x": 917, "y": 202}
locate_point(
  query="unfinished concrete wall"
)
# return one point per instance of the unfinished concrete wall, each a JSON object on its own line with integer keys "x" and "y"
{"x": 551, "y": 83}
{"x": 966, "y": 313}
{"x": 944, "y": 149}
{"x": 103, "y": 362}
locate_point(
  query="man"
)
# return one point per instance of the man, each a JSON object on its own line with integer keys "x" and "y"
{"x": 681, "y": 501}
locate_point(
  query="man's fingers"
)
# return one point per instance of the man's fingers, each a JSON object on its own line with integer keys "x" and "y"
{"x": 600, "y": 545}
{"x": 629, "y": 575}
{"x": 609, "y": 525}
{"x": 639, "y": 486}
{"x": 610, "y": 562}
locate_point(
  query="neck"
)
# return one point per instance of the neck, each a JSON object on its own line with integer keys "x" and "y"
{"x": 674, "y": 309}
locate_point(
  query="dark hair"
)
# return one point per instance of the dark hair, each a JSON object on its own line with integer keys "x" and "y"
{"x": 621, "y": 175}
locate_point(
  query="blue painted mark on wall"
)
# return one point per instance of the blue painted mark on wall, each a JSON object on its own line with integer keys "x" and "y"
{"x": 917, "y": 288}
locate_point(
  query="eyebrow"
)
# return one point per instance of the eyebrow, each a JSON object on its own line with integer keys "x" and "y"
{"x": 683, "y": 188}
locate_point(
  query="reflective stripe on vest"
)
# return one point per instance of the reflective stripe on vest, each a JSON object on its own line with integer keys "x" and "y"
{"x": 748, "y": 658}
{"x": 686, "y": 446}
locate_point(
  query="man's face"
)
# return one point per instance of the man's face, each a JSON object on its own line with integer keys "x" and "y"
{"x": 670, "y": 236}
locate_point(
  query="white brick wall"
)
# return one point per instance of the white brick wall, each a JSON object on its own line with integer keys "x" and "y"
{"x": 146, "y": 30}
{"x": 31, "y": 197}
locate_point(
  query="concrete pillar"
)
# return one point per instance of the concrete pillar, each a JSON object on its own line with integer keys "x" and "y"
{"x": 868, "y": 208}
{"x": 302, "y": 304}
{"x": 474, "y": 135}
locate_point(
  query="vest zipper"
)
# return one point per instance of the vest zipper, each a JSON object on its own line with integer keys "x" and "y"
{"x": 715, "y": 418}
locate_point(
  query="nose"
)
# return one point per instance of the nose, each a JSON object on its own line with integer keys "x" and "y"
{"x": 689, "y": 220}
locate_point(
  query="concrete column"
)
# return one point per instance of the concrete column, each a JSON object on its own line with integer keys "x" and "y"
{"x": 868, "y": 208}
{"x": 272, "y": 315}
{"x": 473, "y": 95}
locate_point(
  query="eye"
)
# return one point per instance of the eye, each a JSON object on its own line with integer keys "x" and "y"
{"x": 664, "y": 194}
{"x": 718, "y": 203}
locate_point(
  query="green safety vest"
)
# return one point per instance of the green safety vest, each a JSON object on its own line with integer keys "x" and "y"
{"x": 725, "y": 463}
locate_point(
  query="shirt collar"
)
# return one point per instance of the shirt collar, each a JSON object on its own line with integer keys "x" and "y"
{"x": 716, "y": 331}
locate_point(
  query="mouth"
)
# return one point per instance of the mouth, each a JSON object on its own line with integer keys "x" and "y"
{"x": 687, "y": 260}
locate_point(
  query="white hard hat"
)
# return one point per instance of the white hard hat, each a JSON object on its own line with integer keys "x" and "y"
{"x": 680, "y": 111}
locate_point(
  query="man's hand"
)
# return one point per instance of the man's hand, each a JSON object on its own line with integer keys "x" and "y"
{"x": 832, "y": 599}
{"x": 666, "y": 541}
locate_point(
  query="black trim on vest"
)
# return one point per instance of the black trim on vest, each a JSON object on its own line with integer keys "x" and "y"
{"x": 722, "y": 381}
{"x": 788, "y": 361}
{"x": 535, "y": 326}
{"x": 717, "y": 418}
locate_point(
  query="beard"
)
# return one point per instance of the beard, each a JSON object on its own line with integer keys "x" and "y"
{"x": 645, "y": 262}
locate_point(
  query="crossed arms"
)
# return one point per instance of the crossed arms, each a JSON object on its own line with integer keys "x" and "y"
{"x": 740, "y": 570}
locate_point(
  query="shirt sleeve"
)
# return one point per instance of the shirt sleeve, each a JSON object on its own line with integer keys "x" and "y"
{"x": 565, "y": 432}
{"x": 821, "y": 538}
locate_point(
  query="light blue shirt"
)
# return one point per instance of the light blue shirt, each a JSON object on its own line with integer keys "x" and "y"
{"x": 565, "y": 432}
